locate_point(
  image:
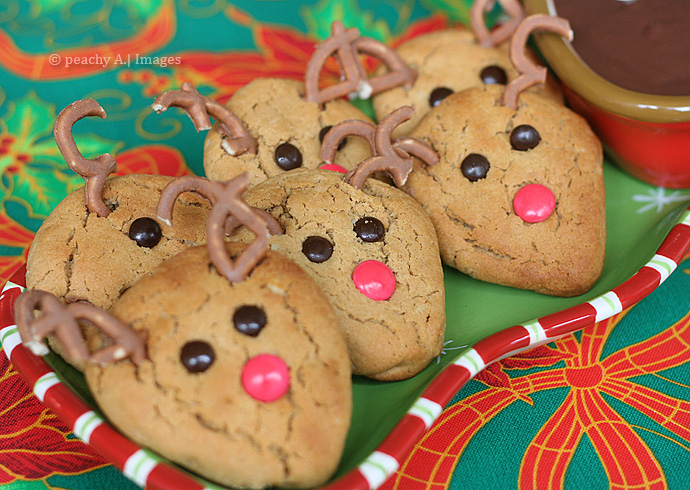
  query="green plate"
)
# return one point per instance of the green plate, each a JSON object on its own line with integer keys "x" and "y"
{"x": 648, "y": 231}
{"x": 639, "y": 218}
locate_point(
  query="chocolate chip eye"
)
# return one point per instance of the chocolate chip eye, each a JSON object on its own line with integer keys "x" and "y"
{"x": 475, "y": 167}
{"x": 249, "y": 320}
{"x": 369, "y": 229}
{"x": 493, "y": 75}
{"x": 524, "y": 137}
{"x": 197, "y": 356}
{"x": 287, "y": 156}
{"x": 317, "y": 249}
{"x": 438, "y": 94}
{"x": 146, "y": 232}
{"x": 322, "y": 135}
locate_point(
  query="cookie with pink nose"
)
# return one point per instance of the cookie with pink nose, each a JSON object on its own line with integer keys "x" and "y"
{"x": 243, "y": 357}
{"x": 518, "y": 196}
{"x": 371, "y": 248}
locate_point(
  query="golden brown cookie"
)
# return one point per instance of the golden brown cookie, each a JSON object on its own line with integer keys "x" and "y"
{"x": 101, "y": 238}
{"x": 518, "y": 196}
{"x": 79, "y": 256}
{"x": 449, "y": 61}
{"x": 246, "y": 383}
{"x": 337, "y": 232}
{"x": 288, "y": 130}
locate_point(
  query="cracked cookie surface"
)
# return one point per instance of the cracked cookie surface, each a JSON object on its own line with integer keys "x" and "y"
{"x": 275, "y": 112}
{"x": 79, "y": 256}
{"x": 390, "y": 339}
{"x": 479, "y": 231}
{"x": 447, "y": 59}
{"x": 206, "y": 421}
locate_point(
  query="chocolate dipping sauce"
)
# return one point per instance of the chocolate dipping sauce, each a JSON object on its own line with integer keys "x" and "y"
{"x": 641, "y": 45}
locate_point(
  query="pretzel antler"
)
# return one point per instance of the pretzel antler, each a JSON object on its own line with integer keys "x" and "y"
{"x": 94, "y": 171}
{"x": 208, "y": 189}
{"x": 346, "y": 45}
{"x": 199, "y": 107}
{"x": 205, "y": 188}
{"x": 495, "y": 37}
{"x": 330, "y": 143}
{"x": 62, "y": 321}
{"x": 391, "y": 156}
{"x": 417, "y": 148}
{"x": 530, "y": 73}
{"x": 229, "y": 203}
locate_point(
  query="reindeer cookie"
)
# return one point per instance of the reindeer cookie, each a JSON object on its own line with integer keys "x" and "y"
{"x": 455, "y": 59}
{"x": 518, "y": 196}
{"x": 370, "y": 247}
{"x": 242, "y": 375}
{"x": 94, "y": 251}
{"x": 288, "y": 119}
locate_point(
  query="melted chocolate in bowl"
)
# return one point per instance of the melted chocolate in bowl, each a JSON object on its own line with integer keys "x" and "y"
{"x": 641, "y": 45}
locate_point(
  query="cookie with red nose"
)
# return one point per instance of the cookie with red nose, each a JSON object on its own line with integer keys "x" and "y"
{"x": 455, "y": 59}
{"x": 518, "y": 195}
{"x": 104, "y": 236}
{"x": 370, "y": 247}
{"x": 247, "y": 381}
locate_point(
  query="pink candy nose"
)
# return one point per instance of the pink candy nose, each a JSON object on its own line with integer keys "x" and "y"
{"x": 534, "y": 203}
{"x": 265, "y": 377}
{"x": 374, "y": 280}
{"x": 334, "y": 167}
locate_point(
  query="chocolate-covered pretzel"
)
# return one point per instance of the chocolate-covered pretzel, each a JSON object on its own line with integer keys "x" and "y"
{"x": 530, "y": 73}
{"x": 63, "y": 321}
{"x": 199, "y": 107}
{"x": 229, "y": 203}
{"x": 492, "y": 38}
{"x": 331, "y": 142}
{"x": 347, "y": 45}
{"x": 397, "y": 163}
{"x": 208, "y": 189}
{"x": 390, "y": 156}
{"x": 95, "y": 170}
{"x": 229, "y": 211}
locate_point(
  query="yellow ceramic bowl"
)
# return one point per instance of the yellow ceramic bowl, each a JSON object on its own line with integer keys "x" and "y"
{"x": 647, "y": 135}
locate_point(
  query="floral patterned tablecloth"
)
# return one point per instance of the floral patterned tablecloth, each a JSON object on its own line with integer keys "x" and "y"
{"x": 608, "y": 407}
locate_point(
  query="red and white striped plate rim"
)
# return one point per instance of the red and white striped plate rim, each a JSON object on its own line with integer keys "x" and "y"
{"x": 148, "y": 469}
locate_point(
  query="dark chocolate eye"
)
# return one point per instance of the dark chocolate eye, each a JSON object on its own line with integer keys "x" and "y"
{"x": 493, "y": 75}
{"x": 369, "y": 229}
{"x": 438, "y": 94}
{"x": 146, "y": 232}
{"x": 287, "y": 156}
{"x": 249, "y": 320}
{"x": 524, "y": 137}
{"x": 322, "y": 135}
{"x": 197, "y": 356}
{"x": 475, "y": 167}
{"x": 317, "y": 249}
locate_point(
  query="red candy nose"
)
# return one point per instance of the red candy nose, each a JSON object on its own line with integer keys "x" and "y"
{"x": 534, "y": 203}
{"x": 334, "y": 167}
{"x": 265, "y": 377}
{"x": 374, "y": 280}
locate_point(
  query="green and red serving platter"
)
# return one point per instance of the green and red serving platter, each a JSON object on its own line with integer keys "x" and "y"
{"x": 648, "y": 232}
